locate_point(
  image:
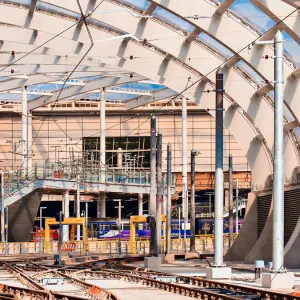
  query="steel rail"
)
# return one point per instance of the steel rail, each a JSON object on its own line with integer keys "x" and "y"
{"x": 91, "y": 290}
{"x": 8, "y": 291}
{"x": 188, "y": 291}
{"x": 205, "y": 283}
{"x": 23, "y": 278}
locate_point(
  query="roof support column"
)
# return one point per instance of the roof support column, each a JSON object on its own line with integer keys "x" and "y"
{"x": 101, "y": 207}
{"x": 159, "y": 192}
{"x": 219, "y": 177}
{"x": 29, "y": 142}
{"x": 152, "y": 200}
{"x": 278, "y": 220}
{"x": 184, "y": 165}
{"x": 219, "y": 270}
{"x": 24, "y": 132}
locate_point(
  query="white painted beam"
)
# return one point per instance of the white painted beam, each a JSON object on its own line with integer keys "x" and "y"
{"x": 223, "y": 7}
{"x": 296, "y": 74}
{"x": 168, "y": 57}
{"x": 32, "y": 6}
{"x": 193, "y": 35}
{"x": 232, "y": 62}
{"x": 234, "y": 105}
{"x": 259, "y": 137}
{"x": 156, "y": 96}
{"x": 290, "y": 125}
{"x": 270, "y": 34}
{"x": 294, "y": 3}
{"x": 149, "y": 11}
{"x": 263, "y": 90}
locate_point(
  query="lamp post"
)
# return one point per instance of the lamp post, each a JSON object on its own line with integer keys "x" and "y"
{"x": 119, "y": 223}
{"x": 41, "y": 231}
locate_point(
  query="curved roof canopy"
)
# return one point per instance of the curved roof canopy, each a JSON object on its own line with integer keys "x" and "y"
{"x": 143, "y": 51}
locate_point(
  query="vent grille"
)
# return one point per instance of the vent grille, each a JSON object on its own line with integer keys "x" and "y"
{"x": 263, "y": 209}
{"x": 291, "y": 212}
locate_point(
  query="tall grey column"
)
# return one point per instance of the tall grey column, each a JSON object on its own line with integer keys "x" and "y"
{"x": 169, "y": 204}
{"x": 230, "y": 208}
{"x": 66, "y": 206}
{"x": 159, "y": 192}
{"x": 193, "y": 208}
{"x": 278, "y": 220}
{"x": 140, "y": 204}
{"x": 102, "y": 204}
{"x": 184, "y": 165}
{"x": 219, "y": 176}
{"x": 152, "y": 200}
{"x": 78, "y": 204}
{"x": 237, "y": 206}
{"x": 29, "y": 141}
{"x": 24, "y": 131}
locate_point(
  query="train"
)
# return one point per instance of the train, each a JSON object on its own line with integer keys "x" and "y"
{"x": 108, "y": 229}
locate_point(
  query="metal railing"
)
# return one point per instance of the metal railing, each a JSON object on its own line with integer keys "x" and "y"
{"x": 204, "y": 244}
{"x": 85, "y": 173}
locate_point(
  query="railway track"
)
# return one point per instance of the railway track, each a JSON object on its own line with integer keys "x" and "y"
{"x": 78, "y": 275}
{"x": 39, "y": 291}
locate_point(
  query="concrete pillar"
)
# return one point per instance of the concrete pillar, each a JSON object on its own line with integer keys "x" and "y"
{"x": 29, "y": 141}
{"x": 140, "y": 204}
{"x": 66, "y": 211}
{"x": 101, "y": 206}
{"x": 24, "y": 131}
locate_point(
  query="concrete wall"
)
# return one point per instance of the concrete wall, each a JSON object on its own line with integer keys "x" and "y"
{"x": 21, "y": 216}
{"x": 248, "y": 234}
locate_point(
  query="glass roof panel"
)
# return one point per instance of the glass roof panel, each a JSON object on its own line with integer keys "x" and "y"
{"x": 55, "y": 9}
{"x": 172, "y": 19}
{"x": 8, "y": 97}
{"x": 141, "y": 4}
{"x": 143, "y": 86}
{"x": 250, "y": 72}
{"x": 206, "y": 39}
{"x": 252, "y": 14}
{"x": 23, "y": 2}
{"x": 291, "y": 48}
{"x": 263, "y": 23}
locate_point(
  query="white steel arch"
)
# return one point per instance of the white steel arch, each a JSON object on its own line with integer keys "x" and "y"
{"x": 169, "y": 68}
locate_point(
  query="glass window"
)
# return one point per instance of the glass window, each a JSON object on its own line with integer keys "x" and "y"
{"x": 135, "y": 151}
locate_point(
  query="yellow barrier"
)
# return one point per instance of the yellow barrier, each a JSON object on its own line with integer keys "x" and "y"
{"x": 67, "y": 221}
{"x": 141, "y": 219}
